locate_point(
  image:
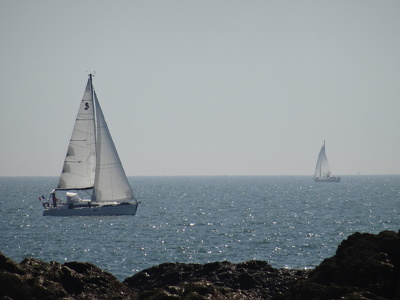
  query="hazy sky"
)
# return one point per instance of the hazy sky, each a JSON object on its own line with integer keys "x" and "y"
{"x": 204, "y": 87}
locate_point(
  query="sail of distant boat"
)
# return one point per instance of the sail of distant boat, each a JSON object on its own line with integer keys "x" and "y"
{"x": 322, "y": 171}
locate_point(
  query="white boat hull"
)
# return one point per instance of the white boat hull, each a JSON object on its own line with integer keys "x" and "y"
{"x": 105, "y": 210}
{"x": 327, "y": 179}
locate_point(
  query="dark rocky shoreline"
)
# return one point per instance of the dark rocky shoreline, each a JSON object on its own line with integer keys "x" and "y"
{"x": 365, "y": 266}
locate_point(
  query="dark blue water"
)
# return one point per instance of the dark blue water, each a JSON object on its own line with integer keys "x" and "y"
{"x": 288, "y": 221}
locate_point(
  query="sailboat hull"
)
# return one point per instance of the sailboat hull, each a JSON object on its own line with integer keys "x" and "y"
{"x": 327, "y": 179}
{"x": 106, "y": 210}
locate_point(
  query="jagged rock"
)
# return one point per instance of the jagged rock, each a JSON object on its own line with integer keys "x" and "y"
{"x": 218, "y": 280}
{"x": 34, "y": 279}
{"x": 365, "y": 266}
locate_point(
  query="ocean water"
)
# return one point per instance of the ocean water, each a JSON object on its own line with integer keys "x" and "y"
{"x": 288, "y": 221}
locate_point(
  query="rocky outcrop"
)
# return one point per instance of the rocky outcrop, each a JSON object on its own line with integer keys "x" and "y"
{"x": 35, "y": 279}
{"x": 365, "y": 266}
{"x": 218, "y": 280}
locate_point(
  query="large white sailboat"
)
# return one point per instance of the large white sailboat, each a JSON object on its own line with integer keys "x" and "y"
{"x": 92, "y": 165}
{"x": 322, "y": 171}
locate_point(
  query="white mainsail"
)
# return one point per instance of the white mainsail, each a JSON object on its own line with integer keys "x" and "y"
{"x": 322, "y": 168}
{"x": 79, "y": 163}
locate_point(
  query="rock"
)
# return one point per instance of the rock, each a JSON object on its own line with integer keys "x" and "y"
{"x": 365, "y": 266}
{"x": 217, "y": 280}
{"x": 35, "y": 279}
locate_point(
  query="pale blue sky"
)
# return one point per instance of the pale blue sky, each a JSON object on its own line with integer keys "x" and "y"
{"x": 205, "y": 87}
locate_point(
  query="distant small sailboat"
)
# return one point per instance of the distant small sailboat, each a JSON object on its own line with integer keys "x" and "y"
{"x": 322, "y": 171}
{"x": 92, "y": 164}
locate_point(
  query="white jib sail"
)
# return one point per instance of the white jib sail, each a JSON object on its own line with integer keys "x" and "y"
{"x": 79, "y": 164}
{"x": 111, "y": 184}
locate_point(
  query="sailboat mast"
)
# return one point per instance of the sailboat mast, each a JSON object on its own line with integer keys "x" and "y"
{"x": 91, "y": 84}
{"x": 320, "y": 165}
{"x": 92, "y": 95}
{"x": 94, "y": 109}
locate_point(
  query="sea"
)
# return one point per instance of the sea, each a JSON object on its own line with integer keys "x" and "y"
{"x": 287, "y": 221}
